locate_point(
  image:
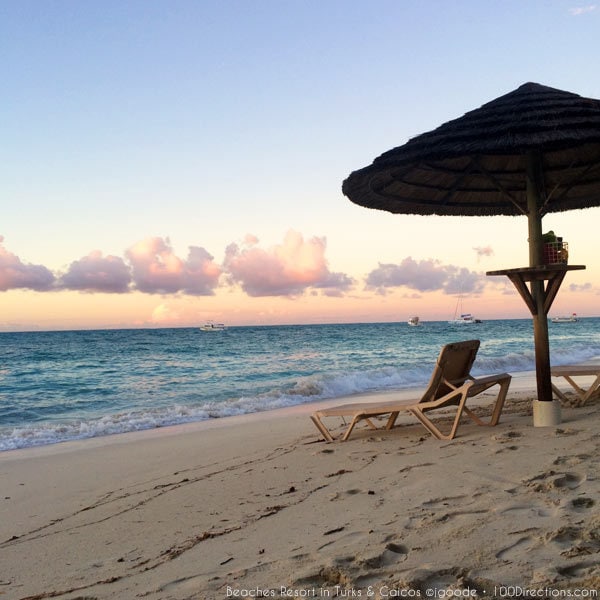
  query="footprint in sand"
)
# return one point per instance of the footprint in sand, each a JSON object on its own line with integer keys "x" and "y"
{"x": 512, "y": 447}
{"x": 507, "y": 436}
{"x": 578, "y": 570}
{"x": 325, "y": 576}
{"x": 564, "y": 535}
{"x": 550, "y": 480}
{"x": 523, "y": 510}
{"x": 392, "y": 554}
{"x": 568, "y": 480}
{"x": 572, "y": 460}
{"x": 582, "y": 503}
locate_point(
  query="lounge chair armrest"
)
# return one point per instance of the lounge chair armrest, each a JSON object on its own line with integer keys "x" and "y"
{"x": 489, "y": 380}
{"x": 496, "y": 377}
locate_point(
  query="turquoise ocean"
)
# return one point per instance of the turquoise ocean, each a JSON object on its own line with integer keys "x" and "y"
{"x": 65, "y": 385}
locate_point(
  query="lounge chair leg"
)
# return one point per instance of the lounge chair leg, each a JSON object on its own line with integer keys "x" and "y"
{"x": 435, "y": 431}
{"x": 459, "y": 410}
{"x": 499, "y": 403}
{"x": 504, "y": 384}
{"x": 391, "y": 420}
{"x": 324, "y": 431}
{"x": 560, "y": 395}
{"x": 351, "y": 427}
{"x": 591, "y": 391}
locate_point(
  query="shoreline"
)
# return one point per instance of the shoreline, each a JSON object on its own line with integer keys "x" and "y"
{"x": 193, "y": 510}
{"x": 524, "y": 380}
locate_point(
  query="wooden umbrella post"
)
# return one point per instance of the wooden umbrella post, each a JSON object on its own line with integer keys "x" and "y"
{"x": 547, "y": 413}
{"x": 538, "y": 285}
{"x": 534, "y": 217}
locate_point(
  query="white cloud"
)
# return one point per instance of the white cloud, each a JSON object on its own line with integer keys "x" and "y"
{"x": 582, "y": 10}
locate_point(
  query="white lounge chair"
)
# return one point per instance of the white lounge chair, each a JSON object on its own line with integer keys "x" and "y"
{"x": 451, "y": 385}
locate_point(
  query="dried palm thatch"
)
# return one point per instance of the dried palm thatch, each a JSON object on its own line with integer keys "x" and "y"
{"x": 477, "y": 164}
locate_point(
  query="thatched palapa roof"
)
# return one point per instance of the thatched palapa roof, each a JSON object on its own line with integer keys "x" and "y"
{"x": 477, "y": 164}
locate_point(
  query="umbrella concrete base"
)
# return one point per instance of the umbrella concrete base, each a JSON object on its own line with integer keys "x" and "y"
{"x": 545, "y": 413}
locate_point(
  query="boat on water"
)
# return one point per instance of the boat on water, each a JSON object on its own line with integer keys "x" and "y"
{"x": 566, "y": 319}
{"x": 211, "y": 326}
{"x": 460, "y": 317}
{"x": 464, "y": 319}
{"x": 414, "y": 322}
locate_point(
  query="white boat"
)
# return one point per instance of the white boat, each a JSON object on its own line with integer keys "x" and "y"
{"x": 211, "y": 326}
{"x": 570, "y": 319}
{"x": 414, "y": 322}
{"x": 461, "y": 318}
{"x": 464, "y": 319}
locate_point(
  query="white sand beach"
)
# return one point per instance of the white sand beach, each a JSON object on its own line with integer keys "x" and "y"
{"x": 261, "y": 507}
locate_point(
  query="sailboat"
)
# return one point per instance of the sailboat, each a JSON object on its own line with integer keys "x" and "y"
{"x": 461, "y": 318}
{"x": 464, "y": 319}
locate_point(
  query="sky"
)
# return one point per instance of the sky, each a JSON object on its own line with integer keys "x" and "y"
{"x": 164, "y": 163}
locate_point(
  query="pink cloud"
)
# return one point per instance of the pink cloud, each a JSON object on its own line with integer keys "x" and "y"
{"x": 97, "y": 273}
{"x": 462, "y": 281}
{"x": 157, "y": 270}
{"x": 483, "y": 251}
{"x": 16, "y": 274}
{"x": 424, "y": 275}
{"x": 287, "y": 269}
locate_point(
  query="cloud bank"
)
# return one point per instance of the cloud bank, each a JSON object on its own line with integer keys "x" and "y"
{"x": 151, "y": 266}
{"x": 294, "y": 267}
{"x": 425, "y": 276}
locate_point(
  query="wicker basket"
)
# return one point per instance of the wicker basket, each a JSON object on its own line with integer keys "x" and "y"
{"x": 556, "y": 253}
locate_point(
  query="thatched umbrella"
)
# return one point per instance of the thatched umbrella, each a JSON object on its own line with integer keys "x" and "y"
{"x": 533, "y": 151}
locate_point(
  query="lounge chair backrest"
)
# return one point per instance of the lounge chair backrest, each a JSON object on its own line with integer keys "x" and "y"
{"x": 454, "y": 365}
